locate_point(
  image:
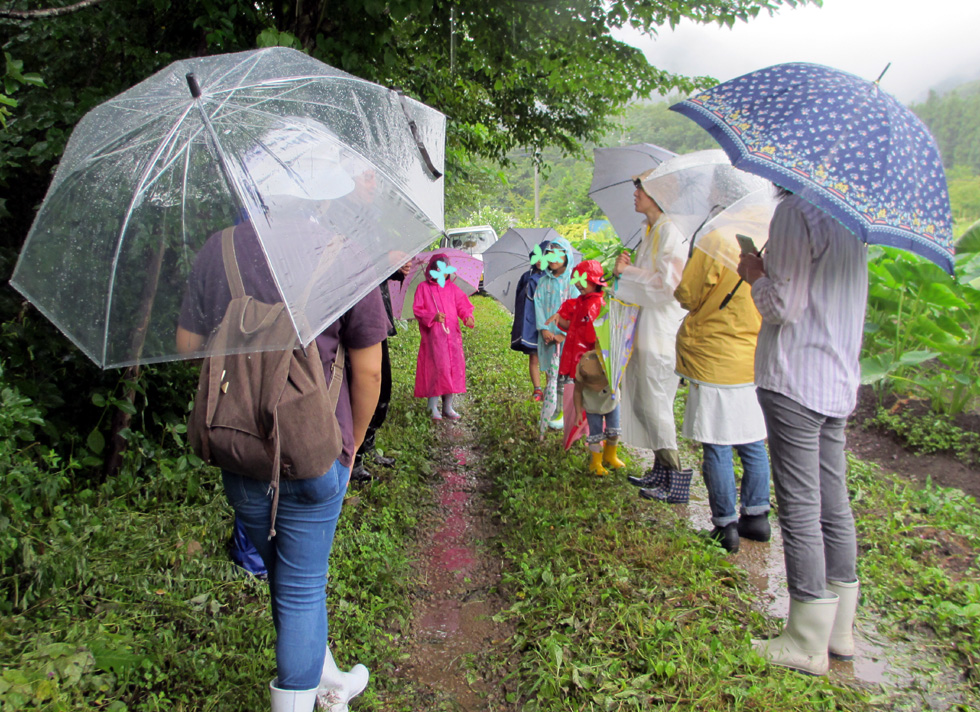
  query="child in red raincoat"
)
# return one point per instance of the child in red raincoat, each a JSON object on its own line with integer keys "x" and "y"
{"x": 577, "y": 316}
{"x": 439, "y": 305}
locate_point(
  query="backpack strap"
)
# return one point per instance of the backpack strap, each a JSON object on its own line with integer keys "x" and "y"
{"x": 231, "y": 263}
{"x": 336, "y": 375}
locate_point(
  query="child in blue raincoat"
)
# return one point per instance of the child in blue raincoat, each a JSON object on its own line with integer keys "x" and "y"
{"x": 524, "y": 333}
{"x": 554, "y": 287}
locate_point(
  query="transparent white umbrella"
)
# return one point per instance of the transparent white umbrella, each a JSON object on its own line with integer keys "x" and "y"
{"x": 335, "y": 179}
{"x": 693, "y": 187}
{"x": 749, "y": 216}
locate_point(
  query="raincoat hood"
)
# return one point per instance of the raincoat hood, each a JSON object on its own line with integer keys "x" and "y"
{"x": 563, "y": 245}
{"x": 433, "y": 266}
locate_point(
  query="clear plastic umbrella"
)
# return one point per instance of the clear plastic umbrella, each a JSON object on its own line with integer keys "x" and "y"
{"x": 749, "y": 216}
{"x": 334, "y": 178}
{"x": 614, "y": 330}
{"x": 693, "y": 187}
{"x": 612, "y": 185}
{"x": 509, "y": 258}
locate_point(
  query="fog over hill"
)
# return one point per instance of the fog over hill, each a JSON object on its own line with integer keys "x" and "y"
{"x": 929, "y": 46}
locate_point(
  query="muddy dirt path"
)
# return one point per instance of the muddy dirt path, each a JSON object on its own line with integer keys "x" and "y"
{"x": 452, "y": 625}
{"x": 900, "y": 668}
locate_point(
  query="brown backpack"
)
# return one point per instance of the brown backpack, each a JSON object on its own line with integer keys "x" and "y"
{"x": 264, "y": 414}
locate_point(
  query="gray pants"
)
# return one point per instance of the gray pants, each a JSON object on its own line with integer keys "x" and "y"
{"x": 809, "y": 475}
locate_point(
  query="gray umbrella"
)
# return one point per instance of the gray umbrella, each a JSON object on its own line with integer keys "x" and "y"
{"x": 339, "y": 178}
{"x": 508, "y": 258}
{"x": 612, "y": 185}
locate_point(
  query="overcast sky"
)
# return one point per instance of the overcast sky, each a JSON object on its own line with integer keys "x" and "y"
{"x": 930, "y": 43}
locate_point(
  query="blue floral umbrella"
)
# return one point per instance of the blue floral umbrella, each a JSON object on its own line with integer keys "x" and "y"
{"x": 841, "y": 143}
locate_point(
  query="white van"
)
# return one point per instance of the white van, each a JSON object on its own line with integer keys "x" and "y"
{"x": 474, "y": 240}
{"x": 470, "y": 239}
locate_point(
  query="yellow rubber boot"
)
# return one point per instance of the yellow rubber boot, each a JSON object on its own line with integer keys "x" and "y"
{"x": 595, "y": 464}
{"x": 609, "y": 457}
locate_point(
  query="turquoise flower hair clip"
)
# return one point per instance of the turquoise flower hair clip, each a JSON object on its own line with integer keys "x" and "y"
{"x": 441, "y": 272}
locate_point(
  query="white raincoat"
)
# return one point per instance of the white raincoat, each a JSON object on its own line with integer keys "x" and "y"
{"x": 649, "y": 383}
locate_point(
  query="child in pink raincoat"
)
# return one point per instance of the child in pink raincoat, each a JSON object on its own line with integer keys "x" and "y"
{"x": 439, "y": 305}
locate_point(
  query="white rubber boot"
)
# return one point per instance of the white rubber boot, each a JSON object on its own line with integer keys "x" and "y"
{"x": 291, "y": 700}
{"x": 842, "y": 635}
{"x": 434, "y": 411}
{"x": 339, "y": 685}
{"x": 447, "y": 407}
{"x": 803, "y": 643}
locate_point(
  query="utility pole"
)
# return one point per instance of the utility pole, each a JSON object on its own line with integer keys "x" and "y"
{"x": 537, "y": 196}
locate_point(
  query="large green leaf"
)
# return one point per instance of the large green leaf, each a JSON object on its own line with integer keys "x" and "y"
{"x": 970, "y": 240}
{"x": 876, "y": 368}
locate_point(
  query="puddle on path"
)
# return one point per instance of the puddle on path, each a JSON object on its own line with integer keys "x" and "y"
{"x": 452, "y": 622}
{"x": 898, "y": 668}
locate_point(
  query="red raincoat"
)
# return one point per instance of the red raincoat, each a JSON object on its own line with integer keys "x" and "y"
{"x": 580, "y": 313}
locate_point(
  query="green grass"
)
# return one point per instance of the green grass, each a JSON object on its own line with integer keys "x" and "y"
{"x": 619, "y": 605}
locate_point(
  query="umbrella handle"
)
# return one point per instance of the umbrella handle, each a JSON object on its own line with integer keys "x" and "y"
{"x": 728, "y": 297}
{"x": 435, "y": 172}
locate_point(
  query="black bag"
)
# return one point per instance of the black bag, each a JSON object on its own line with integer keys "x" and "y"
{"x": 264, "y": 414}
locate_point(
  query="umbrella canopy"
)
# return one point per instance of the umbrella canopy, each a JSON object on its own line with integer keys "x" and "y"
{"x": 467, "y": 271}
{"x": 614, "y": 329}
{"x": 612, "y": 185}
{"x": 841, "y": 143}
{"x": 693, "y": 187}
{"x": 508, "y": 258}
{"x": 749, "y": 216}
{"x": 331, "y": 173}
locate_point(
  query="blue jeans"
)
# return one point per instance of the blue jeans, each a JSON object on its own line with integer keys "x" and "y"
{"x": 719, "y": 477}
{"x": 596, "y": 430}
{"x": 297, "y": 562}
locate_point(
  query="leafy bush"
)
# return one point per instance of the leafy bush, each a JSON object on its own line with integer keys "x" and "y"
{"x": 922, "y": 330}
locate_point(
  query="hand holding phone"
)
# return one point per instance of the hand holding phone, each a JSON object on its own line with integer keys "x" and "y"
{"x": 748, "y": 246}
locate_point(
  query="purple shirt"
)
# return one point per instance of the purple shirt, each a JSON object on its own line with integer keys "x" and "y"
{"x": 364, "y": 324}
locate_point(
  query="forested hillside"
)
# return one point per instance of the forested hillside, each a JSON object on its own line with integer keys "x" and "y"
{"x": 954, "y": 119}
{"x": 507, "y": 195}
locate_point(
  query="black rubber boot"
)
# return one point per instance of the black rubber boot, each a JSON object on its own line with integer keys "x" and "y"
{"x": 727, "y": 536}
{"x": 358, "y": 473}
{"x": 755, "y": 527}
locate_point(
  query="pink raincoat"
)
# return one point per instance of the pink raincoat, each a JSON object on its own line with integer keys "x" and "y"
{"x": 441, "y": 368}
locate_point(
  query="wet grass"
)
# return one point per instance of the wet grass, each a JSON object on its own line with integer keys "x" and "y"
{"x": 618, "y": 604}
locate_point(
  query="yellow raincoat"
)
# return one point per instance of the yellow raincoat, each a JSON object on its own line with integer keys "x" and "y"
{"x": 714, "y": 345}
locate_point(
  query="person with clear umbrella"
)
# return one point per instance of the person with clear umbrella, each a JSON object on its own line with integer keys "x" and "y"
{"x": 811, "y": 291}
{"x": 716, "y": 353}
{"x": 295, "y": 535}
{"x": 650, "y": 384}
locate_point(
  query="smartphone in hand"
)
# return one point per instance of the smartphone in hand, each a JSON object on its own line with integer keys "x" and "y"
{"x": 748, "y": 246}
